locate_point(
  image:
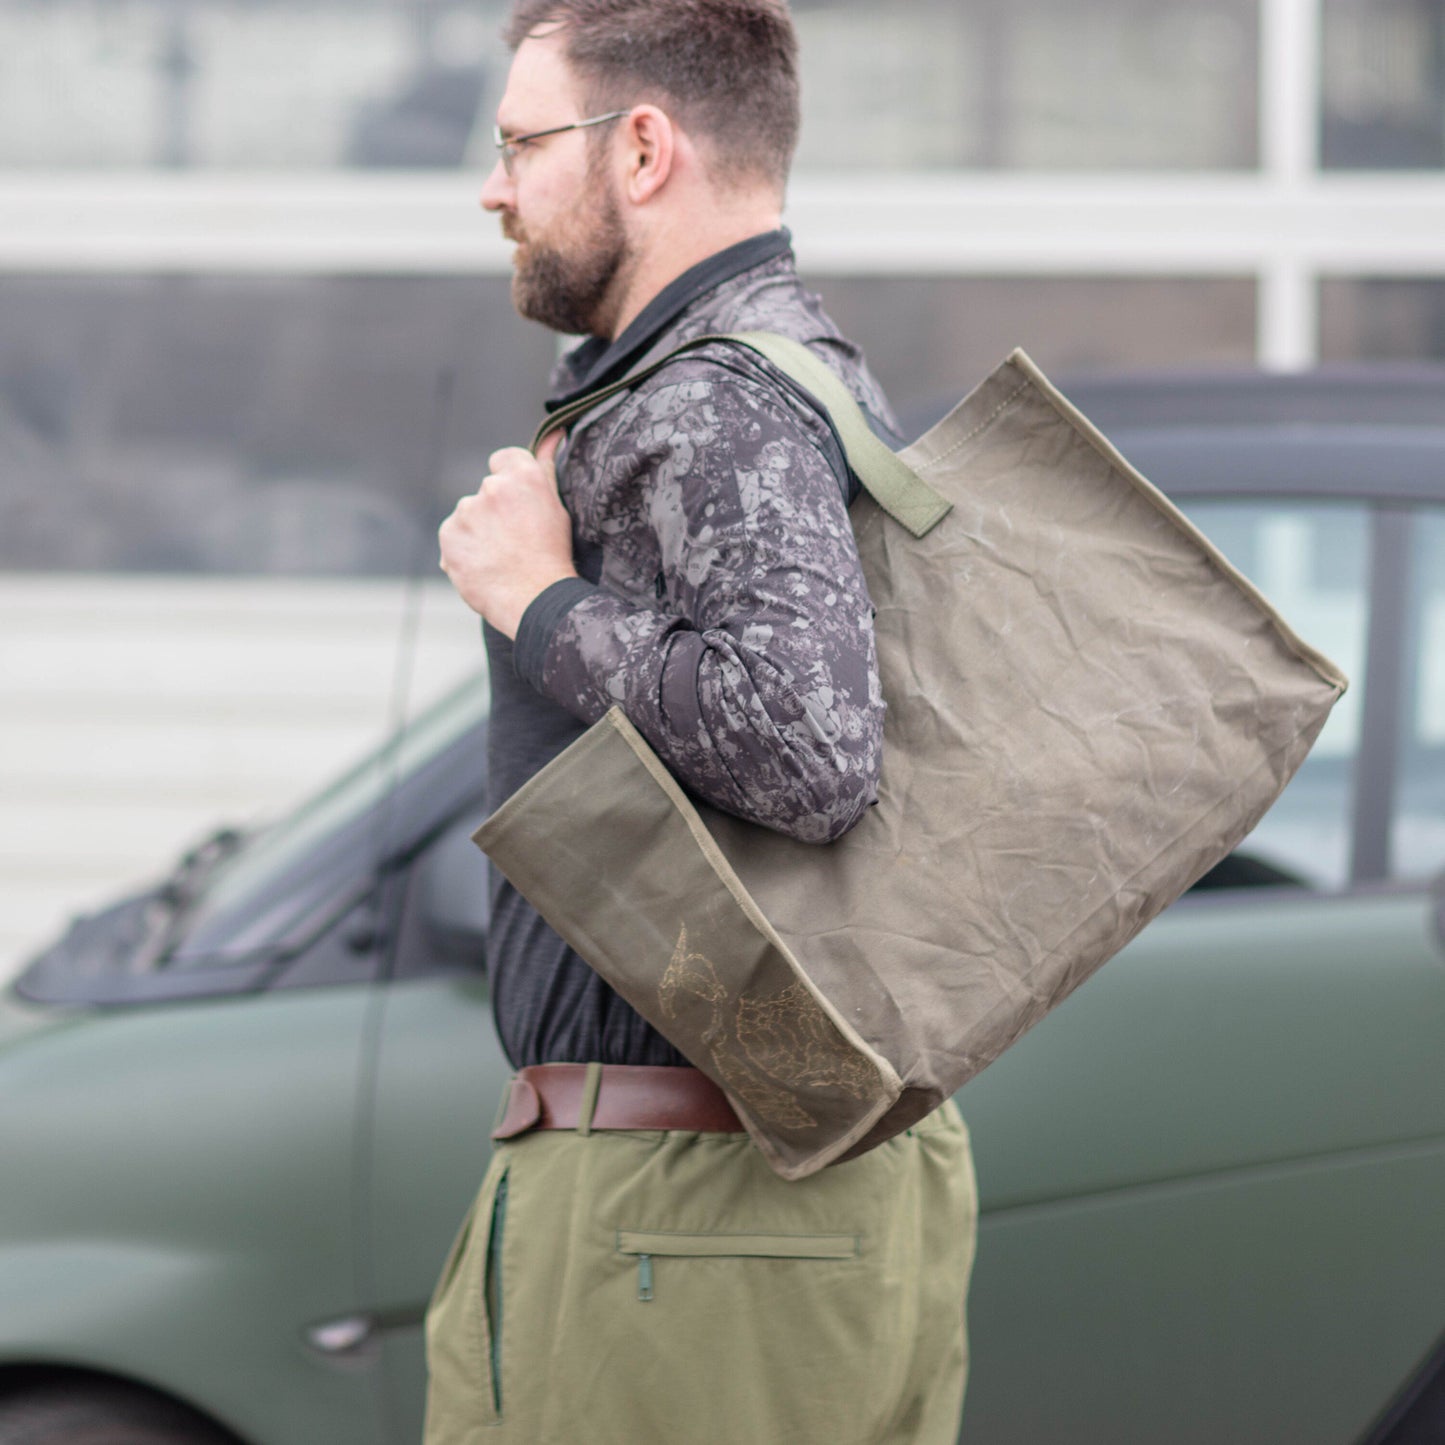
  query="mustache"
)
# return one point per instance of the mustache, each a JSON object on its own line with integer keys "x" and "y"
{"x": 512, "y": 229}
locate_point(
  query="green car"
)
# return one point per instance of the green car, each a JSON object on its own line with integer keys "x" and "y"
{"x": 241, "y": 1115}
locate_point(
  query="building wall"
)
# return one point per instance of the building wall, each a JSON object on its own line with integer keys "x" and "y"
{"x": 138, "y": 713}
{"x": 255, "y": 334}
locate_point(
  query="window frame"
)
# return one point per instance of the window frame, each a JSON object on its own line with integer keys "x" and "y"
{"x": 1392, "y": 561}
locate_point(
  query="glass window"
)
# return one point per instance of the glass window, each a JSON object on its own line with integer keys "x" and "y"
{"x": 1383, "y": 83}
{"x": 251, "y": 424}
{"x": 247, "y": 83}
{"x": 1022, "y": 84}
{"x": 414, "y": 83}
{"x": 931, "y": 339}
{"x": 1385, "y": 319}
{"x": 1418, "y": 840}
{"x": 1311, "y": 562}
{"x": 279, "y": 876}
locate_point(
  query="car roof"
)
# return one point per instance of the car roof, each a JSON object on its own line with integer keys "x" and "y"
{"x": 1387, "y": 394}
{"x": 1359, "y": 430}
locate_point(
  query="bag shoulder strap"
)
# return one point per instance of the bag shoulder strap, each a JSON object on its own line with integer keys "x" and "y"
{"x": 885, "y": 476}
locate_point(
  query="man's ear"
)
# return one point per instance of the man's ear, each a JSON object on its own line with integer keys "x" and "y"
{"x": 650, "y": 141}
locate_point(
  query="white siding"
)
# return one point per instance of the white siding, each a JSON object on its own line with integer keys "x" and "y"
{"x": 138, "y": 713}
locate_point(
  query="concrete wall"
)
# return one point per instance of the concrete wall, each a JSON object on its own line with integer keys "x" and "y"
{"x": 137, "y": 713}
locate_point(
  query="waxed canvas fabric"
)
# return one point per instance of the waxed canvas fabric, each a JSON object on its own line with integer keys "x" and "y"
{"x": 1088, "y": 707}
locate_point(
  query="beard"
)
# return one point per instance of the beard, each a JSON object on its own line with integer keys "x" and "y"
{"x": 566, "y": 283}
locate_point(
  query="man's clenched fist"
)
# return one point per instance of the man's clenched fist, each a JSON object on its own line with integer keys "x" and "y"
{"x": 513, "y": 539}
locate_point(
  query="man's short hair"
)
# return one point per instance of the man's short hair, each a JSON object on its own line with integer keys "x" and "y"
{"x": 727, "y": 69}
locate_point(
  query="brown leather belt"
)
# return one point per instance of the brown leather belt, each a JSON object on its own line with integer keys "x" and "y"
{"x": 628, "y": 1096}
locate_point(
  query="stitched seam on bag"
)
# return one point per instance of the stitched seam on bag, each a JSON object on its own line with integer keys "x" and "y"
{"x": 723, "y": 872}
{"x": 983, "y": 426}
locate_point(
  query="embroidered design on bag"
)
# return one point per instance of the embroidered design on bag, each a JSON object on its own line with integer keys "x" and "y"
{"x": 789, "y": 1033}
{"x": 756, "y": 1043}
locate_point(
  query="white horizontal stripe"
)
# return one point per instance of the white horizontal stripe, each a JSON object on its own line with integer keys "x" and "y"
{"x": 954, "y": 223}
{"x": 136, "y": 714}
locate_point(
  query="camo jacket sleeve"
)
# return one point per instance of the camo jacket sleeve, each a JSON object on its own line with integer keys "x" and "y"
{"x": 731, "y": 620}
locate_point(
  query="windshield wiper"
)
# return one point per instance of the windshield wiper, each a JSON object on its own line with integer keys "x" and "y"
{"x": 166, "y": 909}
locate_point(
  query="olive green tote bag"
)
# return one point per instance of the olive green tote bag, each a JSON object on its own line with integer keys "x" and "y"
{"x": 1088, "y": 707}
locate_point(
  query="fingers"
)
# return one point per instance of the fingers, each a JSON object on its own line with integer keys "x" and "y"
{"x": 520, "y": 465}
{"x": 519, "y": 460}
{"x": 510, "y": 540}
{"x": 547, "y": 447}
{"x": 509, "y": 459}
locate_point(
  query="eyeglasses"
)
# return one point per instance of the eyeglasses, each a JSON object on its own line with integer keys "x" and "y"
{"x": 509, "y": 146}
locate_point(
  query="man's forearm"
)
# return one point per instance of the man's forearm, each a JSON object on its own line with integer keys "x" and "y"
{"x": 778, "y": 721}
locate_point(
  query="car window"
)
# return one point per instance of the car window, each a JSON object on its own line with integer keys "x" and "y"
{"x": 448, "y": 905}
{"x": 1417, "y": 842}
{"x": 273, "y": 878}
{"x": 1312, "y": 563}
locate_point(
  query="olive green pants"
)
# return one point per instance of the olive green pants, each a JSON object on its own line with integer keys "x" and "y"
{"x": 667, "y": 1288}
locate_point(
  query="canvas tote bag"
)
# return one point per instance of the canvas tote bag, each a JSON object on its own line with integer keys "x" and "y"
{"x": 1088, "y": 707}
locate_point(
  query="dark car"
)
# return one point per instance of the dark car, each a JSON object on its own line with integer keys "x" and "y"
{"x": 242, "y": 1114}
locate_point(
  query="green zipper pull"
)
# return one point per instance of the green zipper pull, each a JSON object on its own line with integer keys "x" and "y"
{"x": 644, "y": 1277}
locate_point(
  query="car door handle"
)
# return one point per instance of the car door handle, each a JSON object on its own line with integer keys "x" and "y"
{"x": 1437, "y": 895}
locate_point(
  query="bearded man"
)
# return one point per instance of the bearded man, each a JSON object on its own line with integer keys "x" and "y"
{"x": 632, "y": 1271}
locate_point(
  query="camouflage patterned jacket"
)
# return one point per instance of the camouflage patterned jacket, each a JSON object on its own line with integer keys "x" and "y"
{"x": 721, "y": 602}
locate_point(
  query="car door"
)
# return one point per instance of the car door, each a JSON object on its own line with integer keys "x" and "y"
{"x": 1210, "y": 1181}
{"x": 177, "y": 1179}
{"x": 438, "y": 1076}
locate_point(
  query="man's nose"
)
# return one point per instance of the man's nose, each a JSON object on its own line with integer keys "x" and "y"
{"x": 497, "y": 190}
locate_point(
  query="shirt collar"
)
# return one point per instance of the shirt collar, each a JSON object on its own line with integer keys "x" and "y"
{"x": 597, "y": 362}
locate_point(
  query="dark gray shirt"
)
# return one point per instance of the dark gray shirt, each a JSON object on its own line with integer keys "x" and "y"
{"x": 720, "y": 603}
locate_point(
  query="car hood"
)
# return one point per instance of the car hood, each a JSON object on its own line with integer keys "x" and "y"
{"x": 21, "y": 1021}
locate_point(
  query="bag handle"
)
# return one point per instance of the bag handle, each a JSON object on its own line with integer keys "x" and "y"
{"x": 885, "y": 476}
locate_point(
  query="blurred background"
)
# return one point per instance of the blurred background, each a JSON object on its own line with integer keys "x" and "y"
{"x": 255, "y": 335}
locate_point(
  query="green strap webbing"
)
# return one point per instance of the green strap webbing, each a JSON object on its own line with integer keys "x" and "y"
{"x": 895, "y": 486}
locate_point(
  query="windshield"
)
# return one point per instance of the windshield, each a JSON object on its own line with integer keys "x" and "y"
{"x": 272, "y": 881}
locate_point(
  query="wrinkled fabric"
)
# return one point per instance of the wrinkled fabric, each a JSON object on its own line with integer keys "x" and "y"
{"x": 768, "y": 711}
{"x": 1088, "y": 709}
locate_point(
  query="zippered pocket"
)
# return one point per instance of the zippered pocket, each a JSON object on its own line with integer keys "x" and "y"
{"x": 492, "y": 1291}
{"x": 650, "y": 1245}
{"x": 464, "y": 1320}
